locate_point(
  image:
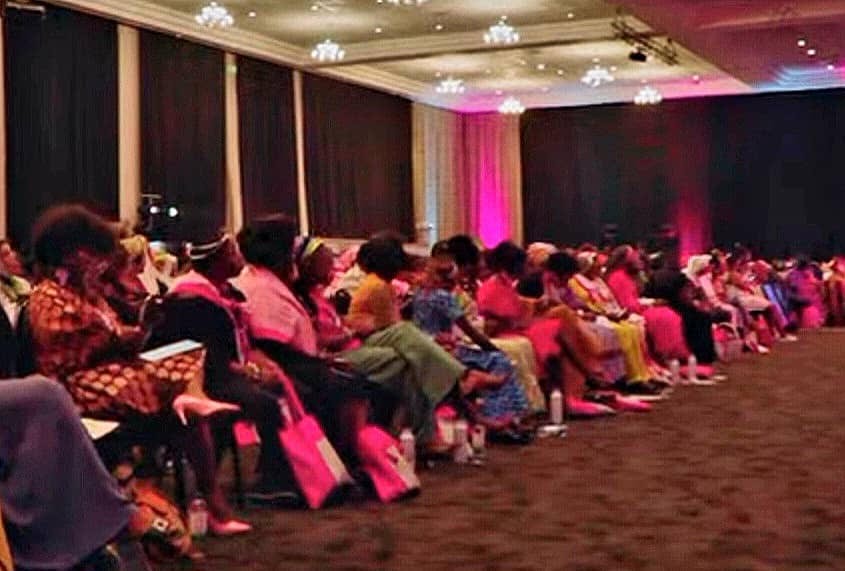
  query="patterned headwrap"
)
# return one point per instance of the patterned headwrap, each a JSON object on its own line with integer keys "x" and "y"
{"x": 304, "y": 247}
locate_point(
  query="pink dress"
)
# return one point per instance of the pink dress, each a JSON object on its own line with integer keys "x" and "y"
{"x": 624, "y": 287}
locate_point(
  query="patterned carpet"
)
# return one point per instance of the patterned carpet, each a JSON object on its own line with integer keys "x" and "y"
{"x": 745, "y": 476}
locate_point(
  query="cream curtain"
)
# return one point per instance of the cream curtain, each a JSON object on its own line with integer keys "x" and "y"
{"x": 467, "y": 174}
{"x": 129, "y": 122}
{"x": 2, "y": 135}
{"x": 234, "y": 192}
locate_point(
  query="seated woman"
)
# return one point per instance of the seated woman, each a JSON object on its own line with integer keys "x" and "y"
{"x": 835, "y": 291}
{"x": 80, "y": 341}
{"x": 700, "y": 271}
{"x": 559, "y": 340}
{"x": 591, "y": 289}
{"x": 740, "y": 288}
{"x": 374, "y": 317}
{"x": 807, "y": 290}
{"x": 623, "y": 271}
{"x": 560, "y": 269}
{"x": 203, "y": 306}
{"x": 60, "y": 504}
{"x": 437, "y": 312}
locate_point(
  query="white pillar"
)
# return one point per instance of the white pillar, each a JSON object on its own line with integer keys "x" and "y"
{"x": 299, "y": 125}
{"x": 234, "y": 190}
{"x": 129, "y": 122}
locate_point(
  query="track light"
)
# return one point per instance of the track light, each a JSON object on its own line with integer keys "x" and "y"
{"x": 638, "y": 55}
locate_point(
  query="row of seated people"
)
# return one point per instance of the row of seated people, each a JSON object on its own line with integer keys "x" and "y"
{"x": 384, "y": 341}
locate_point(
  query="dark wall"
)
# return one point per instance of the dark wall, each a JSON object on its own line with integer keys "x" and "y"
{"x": 358, "y": 159}
{"x": 760, "y": 169}
{"x": 61, "y": 114}
{"x": 183, "y": 131}
{"x": 267, "y": 138}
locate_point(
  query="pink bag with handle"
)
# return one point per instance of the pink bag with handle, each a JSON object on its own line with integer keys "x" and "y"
{"x": 392, "y": 476}
{"x": 318, "y": 469}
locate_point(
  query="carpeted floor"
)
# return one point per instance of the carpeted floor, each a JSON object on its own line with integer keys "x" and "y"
{"x": 749, "y": 475}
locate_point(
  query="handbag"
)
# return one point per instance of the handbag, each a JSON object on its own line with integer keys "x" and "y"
{"x": 318, "y": 469}
{"x": 392, "y": 476}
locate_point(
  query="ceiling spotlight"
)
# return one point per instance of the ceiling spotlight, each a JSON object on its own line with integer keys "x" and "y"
{"x": 638, "y": 55}
{"x": 328, "y": 50}
{"x": 451, "y": 86}
{"x": 501, "y": 33}
{"x": 596, "y": 76}
{"x": 648, "y": 96}
{"x": 811, "y": 52}
{"x": 438, "y": 27}
{"x": 802, "y": 43}
{"x": 570, "y": 15}
{"x": 560, "y": 72}
{"x": 172, "y": 212}
{"x": 378, "y": 30}
{"x": 214, "y": 16}
{"x": 252, "y": 14}
{"x": 511, "y": 106}
{"x": 541, "y": 66}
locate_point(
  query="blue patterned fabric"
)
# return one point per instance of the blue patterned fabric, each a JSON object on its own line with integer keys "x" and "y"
{"x": 436, "y": 310}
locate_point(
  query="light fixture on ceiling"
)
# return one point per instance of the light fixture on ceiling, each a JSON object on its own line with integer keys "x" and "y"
{"x": 570, "y": 15}
{"x": 378, "y": 30}
{"x": 451, "y": 86}
{"x": 644, "y": 42}
{"x": 214, "y": 16}
{"x": 638, "y": 56}
{"x": 438, "y": 27}
{"x": 511, "y": 106}
{"x": 696, "y": 78}
{"x": 597, "y": 76}
{"x": 407, "y": 2}
{"x": 648, "y": 95}
{"x": 328, "y": 50}
{"x": 501, "y": 33}
{"x": 541, "y": 67}
{"x": 811, "y": 52}
{"x": 252, "y": 14}
{"x": 831, "y": 67}
{"x": 802, "y": 43}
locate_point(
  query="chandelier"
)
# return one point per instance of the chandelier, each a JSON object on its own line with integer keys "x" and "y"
{"x": 511, "y": 106}
{"x": 596, "y": 76}
{"x": 406, "y": 2}
{"x": 451, "y": 86}
{"x": 328, "y": 50}
{"x": 501, "y": 33}
{"x": 214, "y": 16}
{"x": 648, "y": 96}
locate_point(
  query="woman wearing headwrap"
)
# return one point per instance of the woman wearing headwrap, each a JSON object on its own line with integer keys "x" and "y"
{"x": 594, "y": 292}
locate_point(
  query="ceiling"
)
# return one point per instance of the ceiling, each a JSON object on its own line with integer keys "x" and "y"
{"x": 723, "y": 46}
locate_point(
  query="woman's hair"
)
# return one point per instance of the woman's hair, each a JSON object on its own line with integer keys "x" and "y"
{"x": 68, "y": 228}
{"x": 442, "y": 248}
{"x": 507, "y": 257}
{"x": 619, "y": 258}
{"x": 562, "y": 264}
{"x": 268, "y": 241}
{"x": 464, "y": 249}
{"x": 383, "y": 257}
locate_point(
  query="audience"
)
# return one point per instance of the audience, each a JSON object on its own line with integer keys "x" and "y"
{"x": 485, "y": 334}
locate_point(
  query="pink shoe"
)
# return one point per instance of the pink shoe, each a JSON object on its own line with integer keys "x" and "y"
{"x": 184, "y": 404}
{"x": 584, "y": 409}
{"x": 623, "y": 404}
{"x": 227, "y": 528}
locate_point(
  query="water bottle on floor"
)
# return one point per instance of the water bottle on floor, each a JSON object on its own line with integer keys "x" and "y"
{"x": 692, "y": 369}
{"x": 198, "y": 518}
{"x": 408, "y": 445}
{"x": 556, "y": 407}
{"x": 462, "y": 450}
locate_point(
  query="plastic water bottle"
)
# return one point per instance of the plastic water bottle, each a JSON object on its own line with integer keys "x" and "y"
{"x": 462, "y": 449}
{"x": 479, "y": 440}
{"x": 556, "y": 407}
{"x": 198, "y": 518}
{"x": 692, "y": 369}
{"x": 408, "y": 445}
{"x": 675, "y": 371}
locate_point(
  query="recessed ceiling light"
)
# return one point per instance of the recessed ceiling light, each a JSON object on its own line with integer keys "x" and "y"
{"x": 811, "y": 52}
{"x": 696, "y": 78}
{"x": 570, "y": 15}
{"x": 378, "y": 30}
{"x": 499, "y": 92}
{"x": 541, "y": 66}
{"x": 560, "y": 72}
{"x": 802, "y": 42}
{"x": 252, "y": 14}
{"x": 596, "y": 60}
{"x": 438, "y": 74}
{"x": 488, "y": 71}
{"x": 314, "y": 7}
{"x": 438, "y": 27}
{"x": 830, "y": 67}
{"x": 613, "y": 68}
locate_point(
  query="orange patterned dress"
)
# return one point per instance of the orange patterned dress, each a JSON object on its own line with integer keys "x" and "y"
{"x": 84, "y": 345}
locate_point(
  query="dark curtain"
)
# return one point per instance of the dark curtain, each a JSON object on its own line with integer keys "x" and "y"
{"x": 358, "y": 165}
{"x": 267, "y": 138}
{"x": 760, "y": 169}
{"x": 61, "y": 114}
{"x": 182, "y": 131}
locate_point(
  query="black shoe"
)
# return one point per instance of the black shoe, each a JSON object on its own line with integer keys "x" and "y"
{"x": 640, "y": 388}
{"x": 512, "y": 436}
{"x": 271, "y": 494}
